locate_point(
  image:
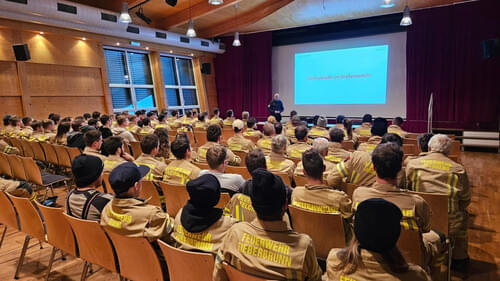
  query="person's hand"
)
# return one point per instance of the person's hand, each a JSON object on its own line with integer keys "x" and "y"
{"x": 128, "y": 157}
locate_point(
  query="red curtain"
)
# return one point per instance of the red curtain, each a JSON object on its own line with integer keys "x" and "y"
{"x": 243, "y": 75}
{"x": 444, "y": 56}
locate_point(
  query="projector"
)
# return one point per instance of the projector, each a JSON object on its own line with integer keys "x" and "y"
{"x": 171, "y": 2}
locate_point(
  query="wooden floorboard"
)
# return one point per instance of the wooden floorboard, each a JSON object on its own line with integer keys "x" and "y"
{"x": 484, "y": 240}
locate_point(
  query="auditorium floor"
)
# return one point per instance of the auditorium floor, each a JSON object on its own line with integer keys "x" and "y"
{"x": 484, "y": 239}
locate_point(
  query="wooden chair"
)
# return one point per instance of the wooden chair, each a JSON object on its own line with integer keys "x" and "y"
{"x": 439, "y": 207}
{"x": 143, "y": 264}
{"x": 227, "y": 134}
{"x": 412, "y": 135}
{"x": 455, "y": 150}
{"x": 187, "y": 265}
{"x": 136, "y": 149}
{"x": 37, "y": 151}
{"x": 348, "y": 188}
{"x": 50, "y": 154}
{"x": 410, "y": 149}
{"x": 8, "y": 216}
{"x": 28, "y": 151}
{"x": 176, "y": 197}
{"x": 59, "y": 233}
{"x": 17, "y": 144}
{"x": 106, "y": 184}
{"x": 44, "y": 179}
{"x": 295, "y": 160}
{"x": 62, "y": 156}
{"x": 243, "y": 171}
{"x": 363, "y": 138}
{"x": 73, "y": 152}
{"x": 326, "y": 230}
{"x": 201, "y": 137}
{"x": 254, "y": 139}
{"x": 410, "y": 141}
{"x": 5, "y": 168}
{"x": 16, "y": 164}
{"x": 98, "y": 249}
{"x": 31, "y": 224}
{"x": 300, "y": 180}
{"x": 235, "y": 275}
{"x": 284, "y": 176}
{"x": 149, "y": 191}
{"x": 224, "y": 199}
{"x": 243, "y": 156}
{"x": 411, "y": 246}
{"x": 203, "y": 166}
{"x": 126, "y": 148}
{"x": 348, "y": 145}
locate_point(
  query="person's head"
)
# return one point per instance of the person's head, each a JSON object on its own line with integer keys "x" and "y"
{"x": 296, "y": 121}
{"x": 238, "y": 126}
{"x": 174, "y": 113}
{"x": 423, "y": 141}
{"x": 112, "y": 146}
{"x": 6, "y": 120}
{"x": 36, "y": 126}
{"x": 162, "y": 134}
{"x": 204, "y": 191}
{"x": 321, "y": 145}
{"x": 202, "y": 117}
{"x": 48, "y": 125}
{"x": 398, "y": 121}
{"x": 367, "y": 118}
{"x": 269, "y": 130}
{"x": 292, "y": 113}
{"x": 92, "y": 122}
{"x": 278, "y": 144}
{"x": 391, "y": 137}
{"x": 56, "y": 118}
{"x": 93, "y": 139}
{"x": 315, "y": 120}
{"x": 251, "y": 122}
{"x": 214, "y": 133}
{"x": 340, "y": 119}
{"x": 96, "y": 115}
{"x": 77, "y": 124}
{"x": 440, "y": 143}
{"x": 336, "y": 135}
{"x": 146, "y": 122}
{"x": 189, "y": 114}
{"x": 216, "y": 112}
{"x": 301, "y": 133}
{"x": 313, "y": 164}
{"x": 63, "y": 129}
{"x": 322, "y": 122}
{"x": 268, "y": 195}
{"x": 387, "y": 159}
{"x": 379, "y": 127}
{"x": 27, "y": 121}
{"x": 152, "y": 115}
{"x": 122, "y": 121}
{"x": 271, "y": 119}
{"x": 87, "y": 116}
{"x": 195, "y": 112}
{"x": 229, "y": 113}
{"x": 150, "y": 144}
{"x": 87, "y": 171}
{"x": 132, "y": 118}
{"x": 276, "y": 96}
{"x": 15, "y": 121}
{"x": 245, "y": 115}
{"x": 216, "y": 157}
{"x": 255, "y": 159}
{"x": 125, "y": 179}
{"x": 105, "y": 120}
{"x": 162, "y": 117}
{"x": 181, "y": 148}
{"x": 278, "y": 128}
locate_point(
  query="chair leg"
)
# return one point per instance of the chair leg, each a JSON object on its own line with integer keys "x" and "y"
{"x": 41, "y": 246}
{"x": 3, "y": 235}
{"x": 51, "y": 260}
{"x": 21, "y": 258}
{"x": 84, "y": 272}
{"x": 450, "y": 254}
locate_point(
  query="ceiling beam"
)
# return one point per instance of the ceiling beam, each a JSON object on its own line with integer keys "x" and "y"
{"x": 261, "y": 11}
{"x": 198, "y": 10}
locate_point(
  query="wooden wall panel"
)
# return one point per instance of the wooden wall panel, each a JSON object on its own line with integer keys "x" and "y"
{"x": 11, "y": 105}
{"x": 209, "y": 83}
{"x": 6, "y": 42}
{"x": 61, "y": 80}
{"x": 66, "y": 106}
{"x": 8, "y": 79}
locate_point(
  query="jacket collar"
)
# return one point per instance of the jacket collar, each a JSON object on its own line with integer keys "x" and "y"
{"x": 276, "y": 226}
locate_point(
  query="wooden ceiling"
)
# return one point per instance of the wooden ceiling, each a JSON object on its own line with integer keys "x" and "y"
{"x": 255, "y": 15}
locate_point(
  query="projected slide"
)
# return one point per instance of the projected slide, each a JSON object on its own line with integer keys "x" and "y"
{"x": 346, "y": 76}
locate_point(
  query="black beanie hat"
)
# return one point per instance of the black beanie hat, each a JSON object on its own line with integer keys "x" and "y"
{"x": 268, "y": 191}
{"x": 377, "y": 225}
{"x": 379, "y": 127}
{"x": 86, "y": 169}
{"x": 204, "y": 191}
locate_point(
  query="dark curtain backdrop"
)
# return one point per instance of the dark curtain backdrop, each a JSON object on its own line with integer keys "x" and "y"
{"x": 444, "y": 56}
{"x": 243, "y": 75}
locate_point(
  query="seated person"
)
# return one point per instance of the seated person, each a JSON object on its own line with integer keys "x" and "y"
{"x": 132, "y": 124}
{"x": 378, "y": 130}
{"x": 199, "y": 225}
{"x": 365, "y": 128}
{"x": 48, "y": 130}
{"x": 17, "y": 188}
{"x": 295, "y": 150}
{"x": 251, "y": 130}
{"x": 320, "y": 145}
{"x": 61, "y": 136}
{"x": 337, "y": 153}
{"x": 277, "y": 161}
{"x": 244, "y": 117}
{"x": 265, "y": 142}
{"x": 229, "y": 118}
{"x": 214, "y": 136}
{"x": 373, "y": 254}
{"x": 26, "y": 131}
{"x": 180, "y": 170}
{"x": 216, "y": 120}
{"x": 289, "y": 124}
{"x": 238, "y": 142}
{"x": 395, "y": 127}
{"x": 201, "y": 122}
{"x": 85, "y": 202}
{"x": 112, "y": 148}
{"x": 14, "y": 128}
{"x": 217, "y": 161}
{"x": 423, "y": 142}
{"x": 150, "y": 146}
{"x": 172, "y": 120}
{"x": 319, "y": 130}
{"x": 121, "y": 129}
{"x": 105, "y": 128}
{"x": 358, "y": 169}
{"x": 290, "y": 131}
{"x": 339, "y": 123}
{"x": 37, "y": 131}
{"x": 74, "y": 138}
{"x": 164, "y": 150}
{"x": 93, "y": 142}
{"x": 282, "y": 252}
{"x": 8, "y": 149}
{"x": 146, "y": 127}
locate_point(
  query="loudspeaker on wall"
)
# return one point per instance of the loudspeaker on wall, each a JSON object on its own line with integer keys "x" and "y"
{"x": 206, "y": 68}
{"x": 22, "y": 52}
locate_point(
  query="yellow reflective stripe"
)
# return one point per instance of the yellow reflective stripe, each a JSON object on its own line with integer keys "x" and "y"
{"x": 295, "y": 153}
{"x": 315, "y": 208}
{"x": 333, "y": 159}
{"x": 452, "y": 184}
{"x": 109, "y": 164}
{"x": 235, "y": 147}
{"x": 237, "y": 212}
{"x": 342, "y": 170}
{"x": 149, "y": 175}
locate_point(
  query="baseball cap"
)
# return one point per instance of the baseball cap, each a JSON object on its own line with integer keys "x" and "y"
{"x": 125, "y": 175}
{"x": 204, "y": 191}
{"x": 86, "y": 169}
{"x": 238, "y": 124}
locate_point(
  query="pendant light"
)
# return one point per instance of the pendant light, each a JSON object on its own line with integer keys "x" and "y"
{"x": 190, "y": 31}
{"x": 215, "y": 2}
{"x": 406, "y": 20}
{"x": 124, "y": 15}
{"x": 236, "y": 41}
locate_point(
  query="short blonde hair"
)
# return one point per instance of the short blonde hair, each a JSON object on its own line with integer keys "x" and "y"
{"x": 278, "y": 143}
{"x": 440, "y": 143}
{"x": 271, "y": 119}
{"x": 321, "y": 145}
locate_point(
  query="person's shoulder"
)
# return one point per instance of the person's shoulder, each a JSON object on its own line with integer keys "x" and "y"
{"x": 416, "y": 272}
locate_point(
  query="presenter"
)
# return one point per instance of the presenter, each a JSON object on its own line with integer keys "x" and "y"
{"x": 275, "y": 107}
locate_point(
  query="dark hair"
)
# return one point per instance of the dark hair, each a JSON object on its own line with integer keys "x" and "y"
{"x": 161, "y": 117}
{"x": 87, "y": 115}
{"x": 367, "y": 118}
{"x": 104, "y": 119}
{"x": 63, "y": 129}
{"x": 255, "y": 159}
{"x": 6, "y": 120}
{"x": 145, "y": 122}
{"x": 46, "y": 123}
{"x": 66, "y": 119}
{"x": 79, "y": 118}
{"x": 201, "y": 117}
{"x": 315, "y": 120}
{"x": 132, "y": 118}
{"x": 278, "y": 128}
{"x": 348, "y": 128}
{"x": 216, "y": 156}
{"x": 77, "y": 123}
{"x": 149, "y": 142}
{"x": 340, "y": 119}
{"x": 162, "y": 134}
{"x": 336, "y": 135}
{"x": 313, "y": 164}
{"x": 213, "y": 133}
{"x": 91, "y": 136}
{"x": 55, "y": 117}
{"x": 387, "y": 160}
{"x": 216, "y": 110}
{"x": 120, "y": 120}
{"x": 189, "y": 113}
{"x": 229, "y": 113}
{"x": 26, "y": 120}
{"x": 391, "y": 137}
{"x": 300, "y": 132}
{"x": 14, "y": 120}
{"x": 379, "y": 127}
{"x": 111, "y": 145}
{"x": 174, "y": 112}
{"x": 92, "y": 122}
{"x": 397, "y": 121}
{"x": 179, "y": 147}
{"x": 293, "y": 113}
{"x": 96, "y": 114}
{"x": 251, "y": 122}
{"x": 151, "y": 113}
{"x": 35, "y": 125}
{"x": 423, "y": 141}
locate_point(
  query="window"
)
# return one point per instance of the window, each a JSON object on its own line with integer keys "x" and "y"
{"x": 130, "y": 80}
{"x": 180, "y": 86}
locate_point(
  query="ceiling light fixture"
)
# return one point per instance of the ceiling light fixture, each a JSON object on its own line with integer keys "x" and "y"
{"x": 117, "y": 43}
{"x": 41, "y": 32}
{"x": 387, "y": 4}
{"x": 236, "y": 41}
{"x": 406, "y": 20}
{"x": 190, "y": 31}
{"x": 147, "y": 48}
{"x": 124, "y": 15}
{"x": 171, "y": 51}
{"x": 83, "y": 38}
{"x": 215, "y": 2}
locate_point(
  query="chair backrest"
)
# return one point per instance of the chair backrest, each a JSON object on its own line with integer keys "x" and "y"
{"x": 95, "y": 246}
{"x": 348, "y": 188}
{"x": 243, "y": 156}
{"x": 73, "y": 152}
{"x": 201, "y": 137}
{"x": 227, "y": 133}
{"x": 50, "y": 153}
{"x": 176, "y": 197}
{"x": 295, "y": 160}
{"x": 439, "y": 207}
{"x": 29, "y": 219}
{"x": 348, "y": 144}
{"x": 410, "y": 141}
{"x": 411, "y": 246}
{"x": 7, "y": 211}
{"x": 363, "y": 138}
{"x": 62, "y": 156}
{"x": 107, "y": 185}
{"x": 149, "y": 191}
{"x": 181, "y": 264}
{"x": 17, "y": 144}
{"x": 16, "y": 164}
{"x": 27, "y": 150}
{"x": 33, "y": 173}
{"x": 37, "y": 151}
{"x": 254, "y": 139}
{"x": 203, "y": 166}
{"x": 300, "y": 180}
{"x": 136, "y": 149}
{"x": 126, "y": 149}
{"x": 243, "y": 171}
{"x": 326, "y": 230}
{"x": 410, "y": 149}
{"x": 5, "y": 168}
{"x": 455, "y": 148}
{"x": 59, "y": 231}
{"x": 412, "y": 135}
{"x": 143, "y": 264}
{"x": 234, "y": 274}
{"x": 224, "y": 199}
{"x": 285, "y": 177}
